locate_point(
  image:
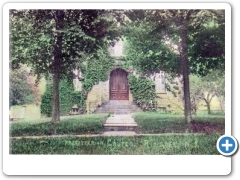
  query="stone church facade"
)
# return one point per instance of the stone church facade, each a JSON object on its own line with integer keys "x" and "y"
{"x": 116, "y": 87}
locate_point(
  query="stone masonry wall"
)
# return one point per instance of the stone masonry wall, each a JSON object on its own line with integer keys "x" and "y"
{"x": 97, "y": 96}
{"x": 172, "y": 104}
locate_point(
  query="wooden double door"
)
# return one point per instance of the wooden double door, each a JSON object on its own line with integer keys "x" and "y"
{"x": 119, "y": 89}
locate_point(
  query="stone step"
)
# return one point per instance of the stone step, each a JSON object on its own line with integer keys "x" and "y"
{"x": 119, "y": 133}
{"x": 120, "y": 127}
{"x": 118, "y": 107}
{"x": 117, "y": 110}
{"x": 123, "y": 108}
{"x": 120, "y": 123}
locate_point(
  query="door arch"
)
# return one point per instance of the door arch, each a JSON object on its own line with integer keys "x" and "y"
{"x": 119, "y": 89}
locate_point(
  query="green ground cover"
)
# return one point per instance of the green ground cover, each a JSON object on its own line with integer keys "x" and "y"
{"x": 163, "y": 144}
{"x": 153, "y": 122}
{"x": 165, "y": 141}
{"x": 84, "y": 124}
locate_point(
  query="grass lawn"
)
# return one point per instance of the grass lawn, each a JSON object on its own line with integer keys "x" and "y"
{"x": 162, "y": 144}
{"x": 84, "y": 124}
{"x": 153, "y": 122}
{"x": 163, "y": 136}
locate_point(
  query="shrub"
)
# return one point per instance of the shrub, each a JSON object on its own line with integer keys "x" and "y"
{"x": 68, "y": 97}
{"x": 20, "y": 91}
{"x": 143, "y": 91}
{"x": 46, "y": 104}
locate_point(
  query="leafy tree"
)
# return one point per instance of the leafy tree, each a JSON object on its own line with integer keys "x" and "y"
{"x": 146, "y": 49}
{"x": 205, "y": 88}
{"x": 54, "y": 41}
{"x": 207, "y": 45}
{"x": 169, "y": 31}
{"x": 20, "y": 90}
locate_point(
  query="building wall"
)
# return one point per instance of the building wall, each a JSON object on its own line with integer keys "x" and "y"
{"x": 97, "y": 96}
{"x": 28, "y": 111}
{"x": 100, "y": 95}
{"x": 170, "y": 103}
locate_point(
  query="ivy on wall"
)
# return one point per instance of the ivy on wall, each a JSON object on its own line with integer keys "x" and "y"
{"x": 68, "y": 97}
{"x": 172, "y": 86}
{"x": 97, "y": 69}
{"x": 143, "y": 91}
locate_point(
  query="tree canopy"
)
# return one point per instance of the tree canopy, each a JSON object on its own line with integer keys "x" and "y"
{"x": 53, "y": 42}
{"x": 177, "y": 41}
{"x": 33, "y": 36}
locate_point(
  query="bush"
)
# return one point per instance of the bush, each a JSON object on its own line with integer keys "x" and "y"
{"x": 85, "y": 124}
{"x": 165, "y": 144}
{"x": 68, "y": 97}
{"x": 46, "y": 104}
{"x": 143, "y": 91}
{"x": 20, "y": 91}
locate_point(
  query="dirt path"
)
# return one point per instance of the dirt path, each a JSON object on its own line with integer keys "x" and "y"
{"x": 113, "y": 133}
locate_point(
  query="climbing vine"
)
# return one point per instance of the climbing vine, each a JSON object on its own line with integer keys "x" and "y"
{"x": 68, "y": 98}
{"x": 173, "y": 86}
{"x": 143, "y": 91}
{"x": 97, "y": 69}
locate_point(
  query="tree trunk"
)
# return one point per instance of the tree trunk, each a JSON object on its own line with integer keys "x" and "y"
{"x": 208, "y": 107}
{"x": 185, "y": 70}
{"x": 59, "y": 17}
{"x": 208, "y": 103}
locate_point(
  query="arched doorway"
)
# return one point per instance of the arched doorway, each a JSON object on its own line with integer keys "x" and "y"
{"x": 119, "y": 89}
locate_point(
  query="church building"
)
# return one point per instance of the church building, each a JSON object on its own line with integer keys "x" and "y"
{"x": 114, "y": 94}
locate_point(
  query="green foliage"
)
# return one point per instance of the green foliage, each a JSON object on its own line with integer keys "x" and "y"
{"x": 97, "y": 69}
{"x": 153, "y": 122}
{"x": 143, "y": 91}
{"x": 172, "y": 89}
{"x": 146, "y": 49}
{"x": 164, "y": 144}
{"x": 84, "y": 124}
{"x": 33, "y": 36}
{"x": 46, "y": 103}
{"x": 55, "y": 41}
{"x": 205, "y": 88}
{"x": 68, "y": 98}
{"x": 165, "y": 40}
{"x": 20, "y": 89}
{"x": 160, "y": 123}
{"x": 207, "y": 47}
{"x": 153, "y": 38}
